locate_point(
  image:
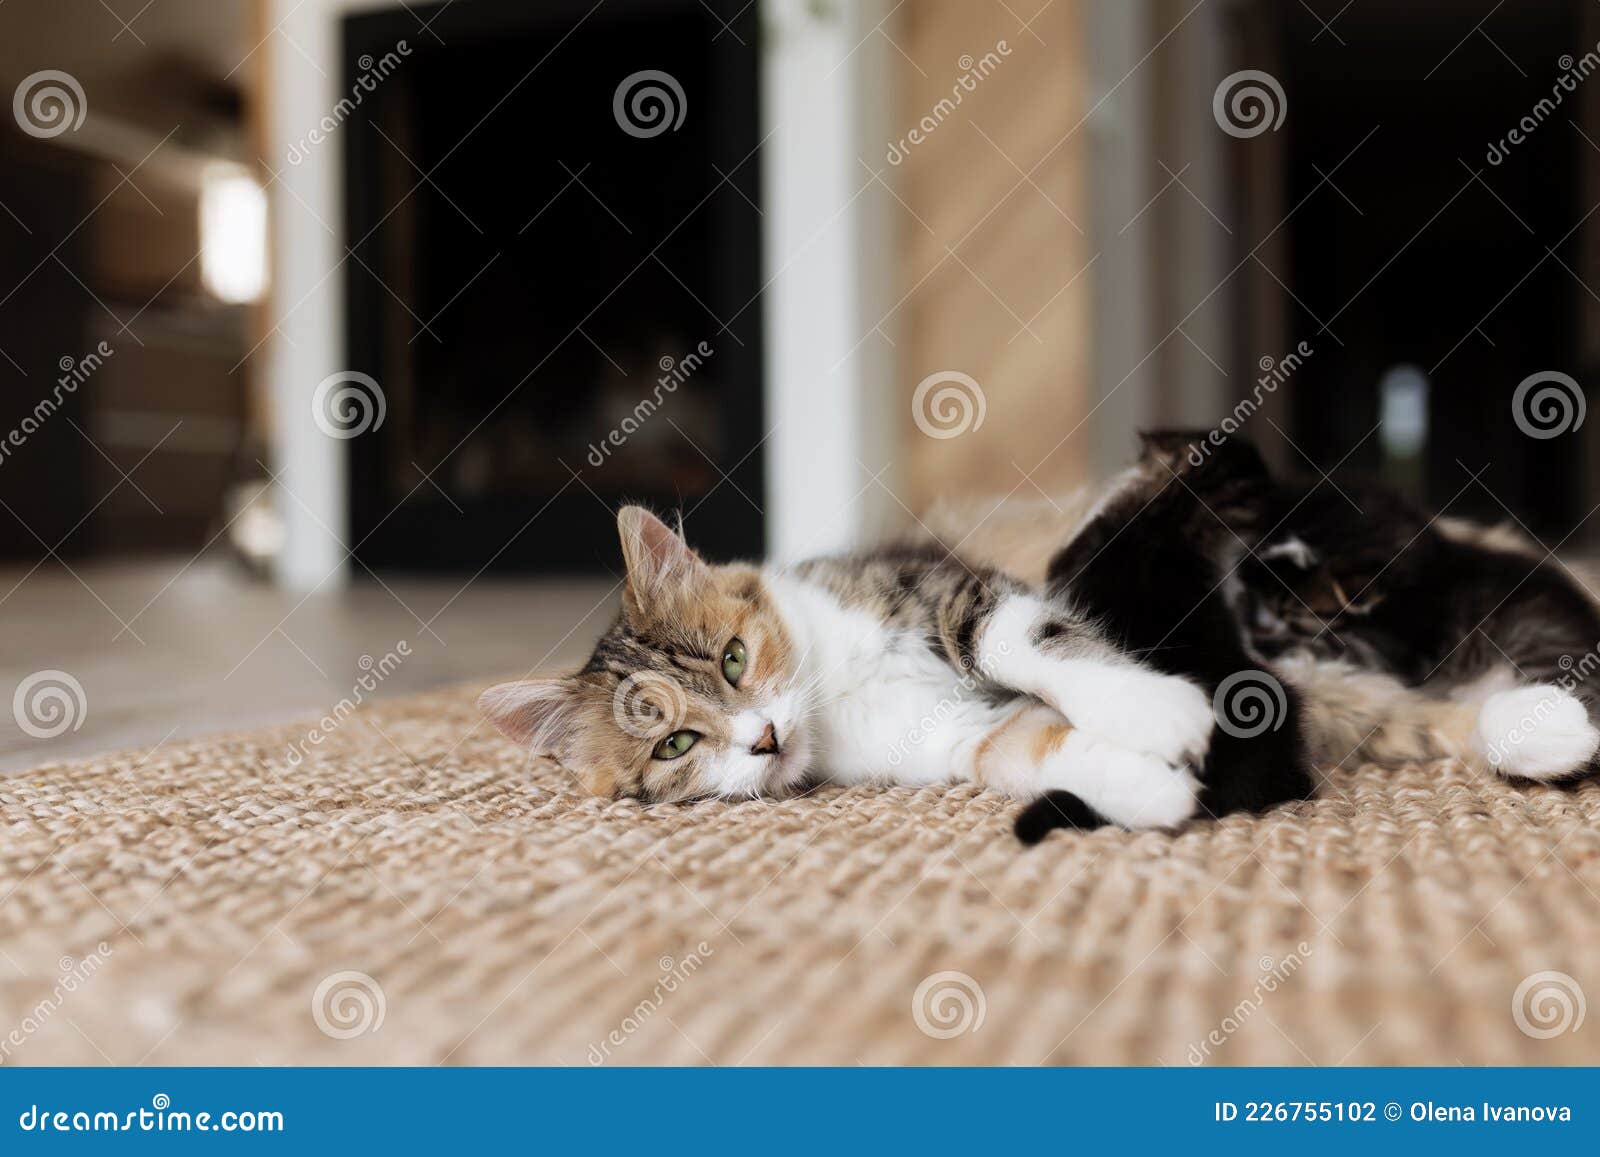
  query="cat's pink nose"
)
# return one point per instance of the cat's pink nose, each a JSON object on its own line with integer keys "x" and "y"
{"x": 767, "y": 744}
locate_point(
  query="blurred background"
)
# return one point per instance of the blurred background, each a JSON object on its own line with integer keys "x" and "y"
{"x": 330, "y": 325}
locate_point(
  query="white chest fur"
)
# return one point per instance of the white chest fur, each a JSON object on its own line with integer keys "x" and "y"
{"x": 888, "y": 709}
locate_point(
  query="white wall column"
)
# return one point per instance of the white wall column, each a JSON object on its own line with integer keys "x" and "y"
{"x": 307, "y": 302}
{"x": 829, "y": 239}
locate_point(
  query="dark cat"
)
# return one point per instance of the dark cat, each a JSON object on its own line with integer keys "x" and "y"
{"x": 1360, "y": 626}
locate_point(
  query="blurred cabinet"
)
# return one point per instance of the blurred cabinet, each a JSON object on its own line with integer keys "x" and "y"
{"x": 126, "y": 375}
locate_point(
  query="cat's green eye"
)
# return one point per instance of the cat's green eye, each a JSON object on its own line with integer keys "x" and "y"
{"x": 733, "y": 657}
{"x": 676, "y": 744}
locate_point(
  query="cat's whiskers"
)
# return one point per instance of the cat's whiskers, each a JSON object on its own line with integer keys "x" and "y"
{"x": 812, "y": 698}
{"x": 807, "y": 689}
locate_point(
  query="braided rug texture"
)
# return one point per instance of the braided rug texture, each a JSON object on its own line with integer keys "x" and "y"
{"x": 417, "y": 891}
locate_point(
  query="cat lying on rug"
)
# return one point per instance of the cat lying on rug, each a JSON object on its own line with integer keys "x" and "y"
{"x": 1204, "y": 639}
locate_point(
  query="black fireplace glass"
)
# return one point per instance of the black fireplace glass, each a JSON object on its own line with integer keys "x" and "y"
{"x": 554, "y": 277}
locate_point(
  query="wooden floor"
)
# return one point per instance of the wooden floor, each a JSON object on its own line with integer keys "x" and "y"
{"x": 164, "y": 650}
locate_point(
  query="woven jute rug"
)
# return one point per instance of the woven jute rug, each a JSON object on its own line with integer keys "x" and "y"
{"x": 414, "y": 890}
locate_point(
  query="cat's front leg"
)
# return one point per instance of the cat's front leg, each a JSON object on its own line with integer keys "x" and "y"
{"x": 1033, "y": 751}
{"x": 1043, "y": 649}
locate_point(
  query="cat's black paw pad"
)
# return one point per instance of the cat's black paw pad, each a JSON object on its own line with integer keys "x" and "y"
{"x": 1056, "y": 809}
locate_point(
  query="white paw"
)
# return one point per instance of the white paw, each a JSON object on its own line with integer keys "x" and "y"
{"x": 1129, "y": 788}
{"x": 1160, "y": 715}
{"x": 1539, "y": 732}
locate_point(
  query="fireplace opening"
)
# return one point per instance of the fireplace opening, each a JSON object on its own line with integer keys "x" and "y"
{"x": 553, "y": 279}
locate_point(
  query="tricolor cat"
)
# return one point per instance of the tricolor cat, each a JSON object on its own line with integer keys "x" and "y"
{"x": 1099, "y": 693}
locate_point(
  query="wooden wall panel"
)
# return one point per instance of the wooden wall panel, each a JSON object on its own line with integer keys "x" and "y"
{"x": 995, "y": 260}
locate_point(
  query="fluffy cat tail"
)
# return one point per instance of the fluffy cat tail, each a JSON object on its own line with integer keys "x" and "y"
{"x": 1351, "y": 715}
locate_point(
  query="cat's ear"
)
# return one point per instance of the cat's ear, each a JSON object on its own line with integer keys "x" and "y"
{"x": 657, "y": 558}
{"x": 539, "y": 714}
{"x": 1169, "y": 445}
{"x": 1224, "y": 457}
